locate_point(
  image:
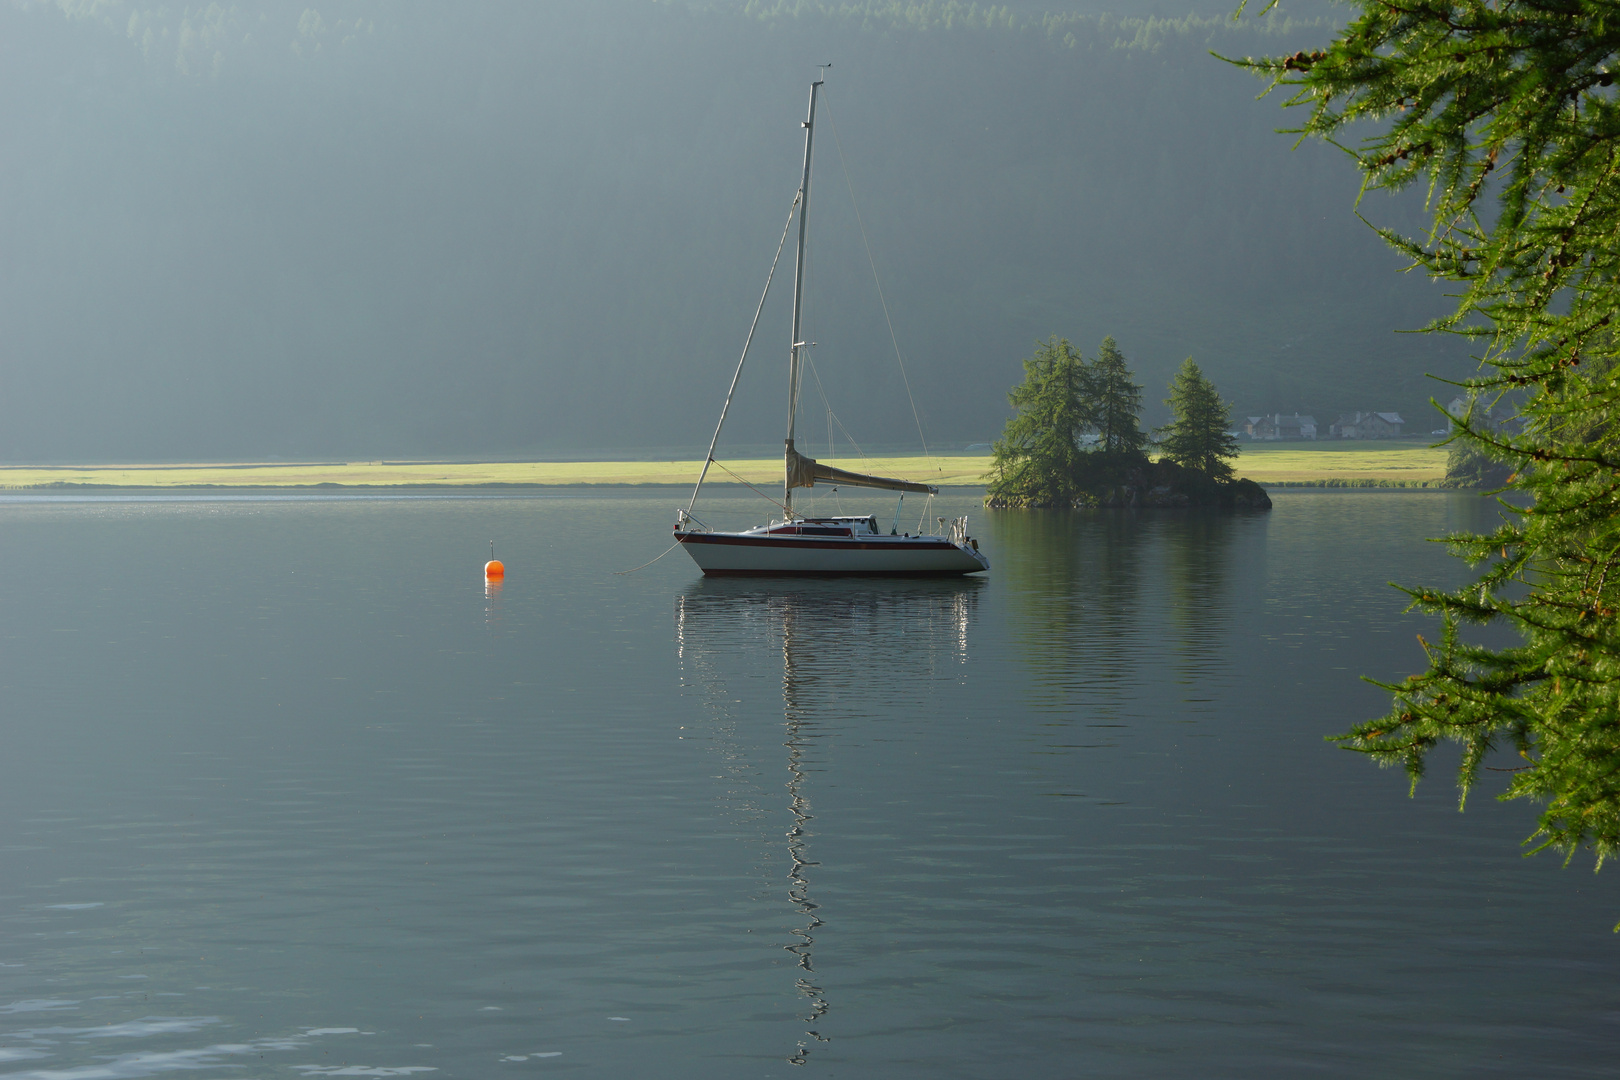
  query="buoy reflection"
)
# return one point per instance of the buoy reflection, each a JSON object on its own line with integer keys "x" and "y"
{"x": 492, "y": 599}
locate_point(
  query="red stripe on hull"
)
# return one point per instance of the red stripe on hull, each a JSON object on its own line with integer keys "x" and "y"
{"x": 799, "y": 543}
{"x": 838, "y": 573}
{"x": 741, "y": 555}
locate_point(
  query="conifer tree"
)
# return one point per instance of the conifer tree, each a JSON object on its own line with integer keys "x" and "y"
{"x": 1118, "y": 403}
{"x": 1505, "y": 113}
{"x": 1197, "y": 437}
{"x": 1037, "y": 458}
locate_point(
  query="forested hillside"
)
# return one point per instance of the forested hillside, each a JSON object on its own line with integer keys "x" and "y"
{"x": 402, "y": 229}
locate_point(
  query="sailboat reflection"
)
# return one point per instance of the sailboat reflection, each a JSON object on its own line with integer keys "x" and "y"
{"x": 798, "y": 838}
{"x": 840, "y": 646}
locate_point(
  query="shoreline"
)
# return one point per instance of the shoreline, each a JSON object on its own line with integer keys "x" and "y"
{"x": 1284, "y": 465}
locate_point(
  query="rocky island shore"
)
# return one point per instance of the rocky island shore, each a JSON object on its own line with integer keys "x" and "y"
{"x": 1161, "y": 485}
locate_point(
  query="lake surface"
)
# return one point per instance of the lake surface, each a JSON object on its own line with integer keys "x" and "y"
{"x": 285, "y": 792}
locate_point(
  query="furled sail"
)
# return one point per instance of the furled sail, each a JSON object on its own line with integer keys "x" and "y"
{"x": 804, "y": 472}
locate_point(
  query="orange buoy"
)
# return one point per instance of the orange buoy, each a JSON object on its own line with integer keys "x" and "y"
{"x": 494, "y": 568}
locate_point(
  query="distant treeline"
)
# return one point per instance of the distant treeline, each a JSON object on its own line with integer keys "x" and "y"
{"x": 377, "y": 229}
{"x": 200, "y": 41}
{"x": 1070, "y": 30}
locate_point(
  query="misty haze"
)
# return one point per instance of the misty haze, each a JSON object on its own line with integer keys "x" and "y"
{"x": 379, "y": 230}
{"x": 395, "y": 682}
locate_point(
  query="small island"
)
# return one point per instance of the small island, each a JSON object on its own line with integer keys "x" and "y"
{"x": 1076, "y": 441}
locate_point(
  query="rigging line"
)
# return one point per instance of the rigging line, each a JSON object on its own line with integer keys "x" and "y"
{"x": 752, "y": 488}
{"x": 649, "y": 562}
{"x": 850, "y": 437}
{"x": 814, "y": 374}
{"x": 873, "y": 264}
{"x": 746, "y": 344}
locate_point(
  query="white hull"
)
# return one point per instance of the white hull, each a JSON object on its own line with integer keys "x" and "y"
{"x": 758, "y": 553}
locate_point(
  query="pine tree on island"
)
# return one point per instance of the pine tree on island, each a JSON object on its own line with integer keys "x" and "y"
{"x": 1118, "y": 403}
{"x": 1038, "y": 455}
{"x": 1198, "y": 437}
{"x": 1076, "y": 439}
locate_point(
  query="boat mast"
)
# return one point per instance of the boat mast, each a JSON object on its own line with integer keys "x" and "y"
{"x": 798, "y": 293}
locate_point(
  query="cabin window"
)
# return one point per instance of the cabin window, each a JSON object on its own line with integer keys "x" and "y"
{"x": 809, "y": 530}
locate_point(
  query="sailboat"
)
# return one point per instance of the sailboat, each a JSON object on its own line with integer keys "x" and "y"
{"x": 795, "y": 544}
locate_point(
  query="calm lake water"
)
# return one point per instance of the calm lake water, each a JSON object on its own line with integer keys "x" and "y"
{"x": 284, "y": 792}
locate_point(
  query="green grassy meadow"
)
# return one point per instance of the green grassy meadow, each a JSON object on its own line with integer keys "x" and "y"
{"x": 1395, "y": 462}
{"x": 1392, "y": 463}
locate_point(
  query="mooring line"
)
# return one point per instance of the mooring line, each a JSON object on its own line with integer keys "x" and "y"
{"x": 649, "y": 562}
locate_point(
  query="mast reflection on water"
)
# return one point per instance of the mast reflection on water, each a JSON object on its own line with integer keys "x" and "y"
{"x": 839, "y": 642}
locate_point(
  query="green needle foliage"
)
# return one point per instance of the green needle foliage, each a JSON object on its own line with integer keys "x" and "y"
{"x": 1506, "y": 113}
{"x": 1118, "y": 403}
{"x": 1038, "y": 456}
{"x": 1198, "y": 436}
